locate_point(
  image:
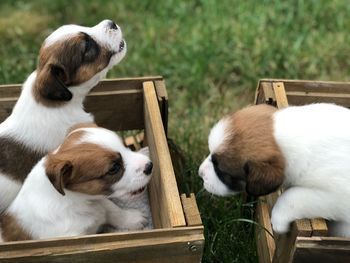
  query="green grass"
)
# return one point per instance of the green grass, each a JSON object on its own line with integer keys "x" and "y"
{"x": 211, "y": 53}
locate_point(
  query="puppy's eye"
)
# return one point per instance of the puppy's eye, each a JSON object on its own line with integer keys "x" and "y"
{"x": 116, "y": 167}
{"x": 214, "y": 160}
{"x": 90, "y": 50}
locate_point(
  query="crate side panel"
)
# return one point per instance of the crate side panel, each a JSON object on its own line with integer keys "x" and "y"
{"x": 165, "y": 191}
{"x": 322, "y": 249}
{"x": 117, "y": 110}
{"x": 169, "y": 245}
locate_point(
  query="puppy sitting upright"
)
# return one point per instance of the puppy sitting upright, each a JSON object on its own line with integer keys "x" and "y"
{"x": 66, "y": 192}
{"x": 305, "y": 148}
{"x": 72, "y": 60}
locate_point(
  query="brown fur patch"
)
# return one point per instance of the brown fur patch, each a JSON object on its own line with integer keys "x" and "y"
{"x": 252, "y": 150}
{"x": 65, "y": 63}
{"x": 83, "y": 167}
{"x": 16, "y": 160}
{"x": 11, "y": 230}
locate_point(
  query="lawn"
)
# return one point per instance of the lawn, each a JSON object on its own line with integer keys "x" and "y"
{"x": 211, "y": 53}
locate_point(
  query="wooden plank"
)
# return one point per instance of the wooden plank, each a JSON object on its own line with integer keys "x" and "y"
{"x": 265, "y": 242}
{"x": 164, "y": 191}
{"x": 285, "y": 246}
{"x": 280, "y": 94}
{"x": 117, "y": 110}
{"x": 303, "y": 227}
{"x": 191, "y": 211}
{"x": 13, "y": 90}
{"x": 111, "y": 110}
{"x": 311, "y": 85}
{"x": 322, "y": 249}
{"x": 166, "y": 245}
{"x": 297, "y": 98}
{"x": 319, "y": 227}
{"x": 163, "y": 102}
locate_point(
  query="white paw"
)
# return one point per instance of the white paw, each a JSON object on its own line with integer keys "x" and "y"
{"x": 280, "y": 224}
{"x": 133, "y": 220}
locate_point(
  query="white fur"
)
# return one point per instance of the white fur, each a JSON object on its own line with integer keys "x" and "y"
{"x": 42, "y": 128}
{"x": 218, "y": 135}
{"x": 137, "y": 201}
{"x": 315, "y": 141}
{"x": 44, "y": 213}
{"x": 217, "y": 138}
{"x": 9, "y": 192}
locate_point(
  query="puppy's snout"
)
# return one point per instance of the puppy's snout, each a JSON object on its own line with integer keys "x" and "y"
{"x": 112, "y": 25}
{"x": 148, "y": 168}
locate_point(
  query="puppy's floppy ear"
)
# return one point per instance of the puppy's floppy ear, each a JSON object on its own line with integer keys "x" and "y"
{"x": 264, "y": 177}
{"x": 50, "y": 83}
{"x": 58, "y": 171}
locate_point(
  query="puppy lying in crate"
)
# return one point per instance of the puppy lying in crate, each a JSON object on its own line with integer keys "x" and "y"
{"x": 66, "y": 193}
{"x": 72, "y": 60}
{"x": 304, "y": 148}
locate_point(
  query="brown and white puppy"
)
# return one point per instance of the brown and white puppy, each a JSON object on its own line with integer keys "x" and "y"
{"x": 66, "y": 193}
{"x": 72, "y": 60}
{"x": 304, "y": 148}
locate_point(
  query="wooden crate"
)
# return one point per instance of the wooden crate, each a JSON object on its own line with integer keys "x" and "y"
{"x": 308, "y": 241}
{"x": 120, "y": 105}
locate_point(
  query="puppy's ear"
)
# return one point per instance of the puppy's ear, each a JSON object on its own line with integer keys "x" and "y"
{"x": 50, "y": 83}
{"x": 264, "y": 177}
{"x": 58, "y": 172}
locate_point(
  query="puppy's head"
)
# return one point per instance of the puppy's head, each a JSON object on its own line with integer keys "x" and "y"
{"x": 243, "y": 154}
{"x": 94, "y": 161}
{"x": 74, "y": 58}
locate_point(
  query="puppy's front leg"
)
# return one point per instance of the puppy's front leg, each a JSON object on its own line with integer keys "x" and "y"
{"x": 298, "y": 203}
{"x": 125, "y": 219}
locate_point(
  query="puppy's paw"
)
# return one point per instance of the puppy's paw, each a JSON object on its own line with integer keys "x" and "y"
{"x": 133, "y": 220}
{"x": 280, "y": 224}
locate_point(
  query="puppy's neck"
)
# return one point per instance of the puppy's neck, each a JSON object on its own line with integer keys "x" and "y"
{"x": 43, "y": 128}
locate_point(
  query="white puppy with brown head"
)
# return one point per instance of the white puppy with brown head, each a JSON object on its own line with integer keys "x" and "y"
{"x": 304, "y": 148}
{"x": 66, "y": 193}
{"x": 72, "y": 60}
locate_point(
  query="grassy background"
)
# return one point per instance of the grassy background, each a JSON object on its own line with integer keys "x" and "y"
{"x": 211, "y": 53}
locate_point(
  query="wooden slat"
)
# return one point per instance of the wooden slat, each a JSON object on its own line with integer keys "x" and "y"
{"x": 280, "y": 94}
{"x": 303, "y": 227}
{"x": 265, "y": 242}
{"x": 165, "y": 245}
{"x": 13, "y": 90}
{"x": 285, "y": 246}
{"x": 311, "y": 85}
{"x": 296, "y": 98}
{"x": 319, "y": 227}
{"x": 322, "y": 249}
{"x": 163, "y": 102}
{"x": 167, "y": 211}
{"x": 111, "y": 109}
{"x": 191, "y": 211}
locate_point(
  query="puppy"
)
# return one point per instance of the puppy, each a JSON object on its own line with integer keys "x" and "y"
{"x": 66, "y": 193}
{"x": 304, "y": 148}
{"x": 72, "y": 60}
{"x": 136, "y": 200}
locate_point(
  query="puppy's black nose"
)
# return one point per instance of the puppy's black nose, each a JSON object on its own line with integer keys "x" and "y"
{"x": 112, "y": 25}
{"x": 148, "y": 168}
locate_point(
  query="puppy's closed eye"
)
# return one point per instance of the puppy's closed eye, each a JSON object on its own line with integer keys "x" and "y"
{"x": 116, "y": 168}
